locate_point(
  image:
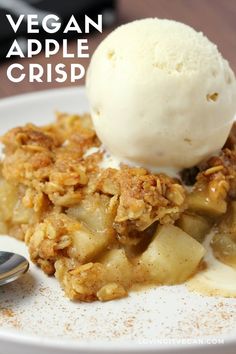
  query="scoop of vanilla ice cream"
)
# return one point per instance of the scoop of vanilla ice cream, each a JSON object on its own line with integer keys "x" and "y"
{"x": 161, "y": 94}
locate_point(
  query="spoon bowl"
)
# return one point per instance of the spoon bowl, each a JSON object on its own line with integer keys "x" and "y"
{"x": 12, "y": 266}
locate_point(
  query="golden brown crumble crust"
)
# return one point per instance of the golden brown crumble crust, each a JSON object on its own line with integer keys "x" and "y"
{"x": 71, "y": 212}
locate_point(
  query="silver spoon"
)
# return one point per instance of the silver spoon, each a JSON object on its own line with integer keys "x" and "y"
{"x": 12, "y": 266}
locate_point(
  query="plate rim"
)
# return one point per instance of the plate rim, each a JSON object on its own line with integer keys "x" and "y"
{"x": 109, "y": 346}
{"x": 18, "y": 98}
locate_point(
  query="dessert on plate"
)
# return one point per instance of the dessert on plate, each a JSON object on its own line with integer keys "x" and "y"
{"x": 130, "y": 193}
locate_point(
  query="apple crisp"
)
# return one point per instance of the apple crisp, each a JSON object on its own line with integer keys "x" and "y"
{"x": 100, "y": 231}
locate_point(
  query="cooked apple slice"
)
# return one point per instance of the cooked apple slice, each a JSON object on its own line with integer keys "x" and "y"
{"x": 87, "y": 245}
{"x": 119, "y": 269}
{"x": 172, "y": 256}
{"x": 196, "y": 226}
{"x": 201, "y": 203}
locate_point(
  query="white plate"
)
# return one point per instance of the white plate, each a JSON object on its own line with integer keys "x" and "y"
{"x": 35, "y": 317}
